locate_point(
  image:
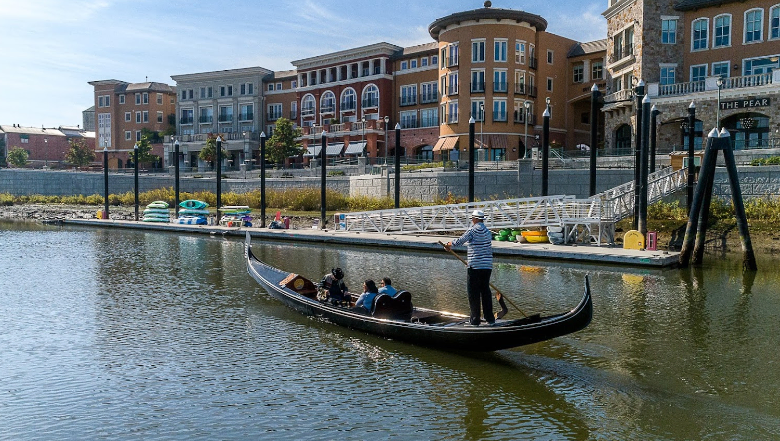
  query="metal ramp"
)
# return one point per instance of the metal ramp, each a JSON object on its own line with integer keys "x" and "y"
{"x": 583, "y": 220}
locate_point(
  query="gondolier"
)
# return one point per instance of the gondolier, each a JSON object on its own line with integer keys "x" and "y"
{"x": 480, "y": 265}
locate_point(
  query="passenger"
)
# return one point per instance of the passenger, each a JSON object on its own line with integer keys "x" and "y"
{"x": 370, "y": 291}
{"x": 335, "y": 286}
{"x": 386, "y": 287}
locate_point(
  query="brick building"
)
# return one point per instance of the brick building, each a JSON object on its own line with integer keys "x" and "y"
{"x": 45, "y": 147}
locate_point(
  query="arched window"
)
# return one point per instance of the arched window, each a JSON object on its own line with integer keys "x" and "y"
{"x": 308, "y": 105}
{"x": 721, "y": 33}
{"x": 370, "y": 96}
{"x": 699, "y": 39}
{"x": 623, "y": 138}
{"x": 348, "y": 100}
{"x": 328, "y": 102}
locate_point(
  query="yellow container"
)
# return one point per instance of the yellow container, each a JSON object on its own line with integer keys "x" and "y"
{"x": 633, "y": 240}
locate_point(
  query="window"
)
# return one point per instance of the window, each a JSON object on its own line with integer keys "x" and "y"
{"x": 187, "y": 116}
{"x": 24, "y": 138}
{"x": 453, "y": 83}
{"x": 202, "y": 92}
{"x": 274, "y": 111}
{"x": 349, "y": 99}
{"x": 137, "y": 135}
{"x": 499, "y": 81}
{"x": 499, "y": 110}
{"x": 159, "y": 117}
{"x": 520, "y": 52}
{"x": 159, "y": 98}
{"x": 146, "y": 97}
{"x": 699, "y": 38}
{"x": 225, "y": 114}
{"x": 294, "y": 84}
{"x": 454, "y": 57}
{"x": 246, "y": 112}
{"x": 242, "y": 89}
{"x": 137, "y": 98}
{"x": 549, "y": 84}
{"x": 183, "y": 94}
{"x": 409, "y": 119}
{"x": 128, "y": 135}
{"x": 308, "y": 105}
{"x": 146, "y": 116}
{"x": 478, "y": 81}
{"x": 721, "y": 69}
{"x": 667, "y": 75}
{"x": 597, "y": 70}
{"x": 669, "y": 31}
{"x": 754, "y": 23}
{"x": 452, "y": 112}
{"x": 104, "y": 129}
{"x": 499, "y": 51}
{"x": 328, "y": 102}
{"x": 429, "y": 92}
{"x": 549, "y": 56}
{"x": 412, "y": 64}
{"x": 578, "y": 75}
{"x": 294, "y": 110}
{"x": 137, "y": 117}
{"x": 478, "y": 110}
{"x": 122, "y": 99}
{"x": 478, "y": 51}
{"x": 404, "y": 65}
{"x": 230, "y": 91}
{"x": 270, "y": 89}
{"x": 423, "y": 61}
{"x": 206, "y": 115}
{"x": 409, "y": 95}
{"x": 584, "y": 118}
{"x": 698, "y": 72}
{"x": 774, "y": 22}
{"x": 429, "y": 118}
{"x": 434, "y": 60}
{"x": 371, "y": 96}
{"x": 128, "y": 117}
{"x": 189, "y": 93}
{"x": 278, "y": 87}
{"x": 520, "y": 82}
{"x": 722, "y": 31}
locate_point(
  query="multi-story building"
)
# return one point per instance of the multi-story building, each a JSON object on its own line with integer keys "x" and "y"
{"x": 228, "y": 103}
{"x": 123, "y": 110}
{"x": 45, "y": 147}
{"x": 721, "y": 55}
{"x": 88, "y": 119}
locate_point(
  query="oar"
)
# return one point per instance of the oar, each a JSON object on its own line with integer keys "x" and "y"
{"x": 499, "y": 296}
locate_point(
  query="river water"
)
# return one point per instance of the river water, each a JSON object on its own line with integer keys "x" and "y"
{"x": 126, "y": 335}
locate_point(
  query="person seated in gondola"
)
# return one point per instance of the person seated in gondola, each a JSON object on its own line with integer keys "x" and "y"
{"x": 370, "y": 291}
{"x": 386, "y": 287}
{"x": 335, "y": 288}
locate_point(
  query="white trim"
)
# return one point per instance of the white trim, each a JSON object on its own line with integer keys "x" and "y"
{"x": 744, "y": 26}
{"x": 731, "y": 28}
{"x": 706, "y": 29}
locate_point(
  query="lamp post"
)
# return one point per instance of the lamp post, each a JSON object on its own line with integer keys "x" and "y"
{"x": 387, "y": 166}
{"x": 363, "y": 134}
{"x": 176, "y": 175}
{"x": 719, "y": 82}
{"x": 323, "y": 165}
{"x": 594, "y": 125}
{"x": 46, "y": 153}
{"x": 481, "y": 125}
{"x": 545, "y": 149}
{"x": 135, "y": 180}
{"x": 262, "y": 179}
{"x": 219, "y": 176}
{"x": 639, "y": 91}
{"x": 471, "y": 159}
{"x": 105, "y": 182}
{"x": 691, "y": 142}
{"x": 527, "y": 105}
{"x": 397, "y": 165}
{"x": 642, "y": 218}
{"x": 654, "y": 112}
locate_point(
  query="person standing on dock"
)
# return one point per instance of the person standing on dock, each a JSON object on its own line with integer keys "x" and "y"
{"x": 480, "y": 265}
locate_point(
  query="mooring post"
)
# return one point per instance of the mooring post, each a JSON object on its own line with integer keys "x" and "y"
{"x": 653, "y": 136}
{"x": 643, "y": 157}
{"x": 706, "y": 180}
{"x": 594, "y": 126}
{"x": 545, "y": 150}
{"x": 639, "y": 91}
{"x": 105, "y": 182}
{"x": 691, "y": 142}
{"x": 471, "y": 159}
{"x": 262, "y": 179}
{"x": 135, "y": 179}
{"x": 323, "y": 165}
{"x": 219, "y": 177}
{"x": 749, "y": 258}
{"x": 398, "y": 165}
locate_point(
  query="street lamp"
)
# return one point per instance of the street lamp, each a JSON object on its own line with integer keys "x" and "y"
{"x": 262, "y": 179}
{"x": 481, "y": 124}
{"x": 219, "y": 176}
{"x": 135, "y": 171}
{"x": 46, "y": 153}
{"x": 363, "y": 134}
{"x": 719, "y": 82}
{"x": 527, "y": 105}
{"x": 387, "y": 168}
{"x": 176, "y": 174}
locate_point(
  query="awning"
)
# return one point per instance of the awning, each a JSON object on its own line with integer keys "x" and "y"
{"x": 332, "y": 150}
{"x": 445, "y": 143}
{"x": 356, "y": 148}
{"x": 312, "y": 151}
{"x": 498, "y": 142}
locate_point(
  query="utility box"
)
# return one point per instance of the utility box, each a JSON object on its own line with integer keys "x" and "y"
{"x": 633, "y": 240}
{"x": 652, "y": 241}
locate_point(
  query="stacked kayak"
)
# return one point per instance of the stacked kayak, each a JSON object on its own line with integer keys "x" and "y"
{"x": 235, "y": 216}
{"x": 157, "y": 211}
{"x": 193, "y": 212}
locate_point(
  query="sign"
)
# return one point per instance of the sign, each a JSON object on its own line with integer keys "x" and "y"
{"x": 745, "y": 103}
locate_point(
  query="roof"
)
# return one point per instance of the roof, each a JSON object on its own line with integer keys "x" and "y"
{"x": 284, "y": 74}
{"x": 587, "y": 48}
{"x": 30, "y": 130}
{"x": 149, "y": 87}
{"x": 413, "y": 50}
{"x": 692, "y": 5}
{"x": 487, "y": 13}
{"x": 90, "y": 109}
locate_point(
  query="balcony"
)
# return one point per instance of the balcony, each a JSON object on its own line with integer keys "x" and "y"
{"x": 225, "y": 118}
{"x": 478, "y": 87}
{"x": 206, "y": 119}
{"x": 308, "y": 112}
{"x": 186, "y": 121}
{"x": 520, "y": 89}
{"x": 710, "y": 84}
{"x": 622, "y": 56}
{"x": 429, "y": 98}
{"x": 246, "y": 116}
{"x": 369, "y": 103}
{"x": 500, "y": 87}
{"x": 409, "y": 100}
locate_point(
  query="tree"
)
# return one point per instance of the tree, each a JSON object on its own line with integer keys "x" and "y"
{"x": 79, "y": 154}
{"x": 144, "y": 149}
{"x": 282, "y": 144}
{"x": 18, "y": 157}
{"x": 2, "y": 152}
{"x": 209, "y": 152}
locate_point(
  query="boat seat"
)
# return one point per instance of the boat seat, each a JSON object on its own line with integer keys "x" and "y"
{"x": 398, "y": 307}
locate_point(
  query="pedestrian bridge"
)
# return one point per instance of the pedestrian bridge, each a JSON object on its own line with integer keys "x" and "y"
{"x": 583, "y": 220}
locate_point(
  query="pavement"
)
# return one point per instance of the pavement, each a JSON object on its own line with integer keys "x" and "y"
{"x": 570, "y": 253}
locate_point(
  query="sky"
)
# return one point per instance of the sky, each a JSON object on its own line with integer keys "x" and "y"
{"x": 51, "y": 49}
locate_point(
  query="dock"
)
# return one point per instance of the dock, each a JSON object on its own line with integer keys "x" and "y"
{"x": 590, "y": 254}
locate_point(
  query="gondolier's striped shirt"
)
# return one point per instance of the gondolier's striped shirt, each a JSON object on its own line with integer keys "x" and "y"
{"x": 479, "y": 243}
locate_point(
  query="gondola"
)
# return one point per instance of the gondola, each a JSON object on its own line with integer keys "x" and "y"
{"x": 396, "y": 318}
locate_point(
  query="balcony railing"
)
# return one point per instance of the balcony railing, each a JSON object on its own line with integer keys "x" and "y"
{"x": 348, "y": 106}
{"x": 246, "y": 116}
{"x": 225, "y": 118}
{"x": 681, "y": 88}
{"x": 531, "y": 91}
{"x": 520, "y": 89}
{"x": 328, "y": 108}
{"x": 410, "y": 100}
{"x": 186, "y": 121}
{"x": 710, "y": 84}
{"x": 308, "y": 111}
{"x": 500, "y": 87}
{"x": 274, "y": 116}
{"x": 206, "y": 119}
{"x": 478, "y": 87}
{"x": 621, "y": 53}
{"x": 429, "y": 98}
{"x": 452, "y": 61}
{"x": 451, "y": 91}
{"x": 369, "y": 103}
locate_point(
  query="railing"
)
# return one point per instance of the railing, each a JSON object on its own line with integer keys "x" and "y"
{"x": 429, "y": 98}
{"x": 520, "y": 89}
{"x": 206, "y": 119}
{"x": 500, "y": 87}
{"x": 409, "y": 100}
{"x": 478, "y": 87}
{"x": 225, "y": 118}
{"x": 531, "y": 91}
{"x": 347, "y": 106}
{"x": 308, "y": 111}
{"x": 450, "y": 90}
{"x": 246, "y": 116}
{"x": 452, "y": 61}
{"x": 681, "y": 88}
{"x": 621, "y": 53}
{"x": 710, "y": 84}
{"x": 747, "y": 81}
{"x": 621, "y": 95}
{"x": 186, "y": 121}
{"x": 618, "y": 203}
{"x": 328, "y": 108}
{"x": 370, "y": 103}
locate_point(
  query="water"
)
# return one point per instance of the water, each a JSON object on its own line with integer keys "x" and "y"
{"x": 127, "y": 335}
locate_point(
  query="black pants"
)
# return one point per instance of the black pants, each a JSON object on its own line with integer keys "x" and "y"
{"x": 479, "y": 292}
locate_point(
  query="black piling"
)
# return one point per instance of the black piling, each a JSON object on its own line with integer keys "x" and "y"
{"x": 323, "y": 166}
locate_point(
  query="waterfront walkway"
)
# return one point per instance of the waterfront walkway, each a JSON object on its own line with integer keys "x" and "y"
{"x": 589, "y": 254}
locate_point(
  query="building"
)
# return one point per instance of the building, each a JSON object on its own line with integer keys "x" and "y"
{"x": 225, "y": 103}
{"x": 88, "y": 119}
{"x": 721, "y": 56}
{"x": 46, "y": 147}
{"x": 124, "y": 110}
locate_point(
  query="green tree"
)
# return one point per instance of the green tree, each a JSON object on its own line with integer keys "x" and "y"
{"x": 2, "y": 152}
{"x": 144, "y": 150}
{"x": 80, "y": 154}
{"x": 282, "y": 144}
{"x": 18, "y": 157}
{"x": 209, "y": 152}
